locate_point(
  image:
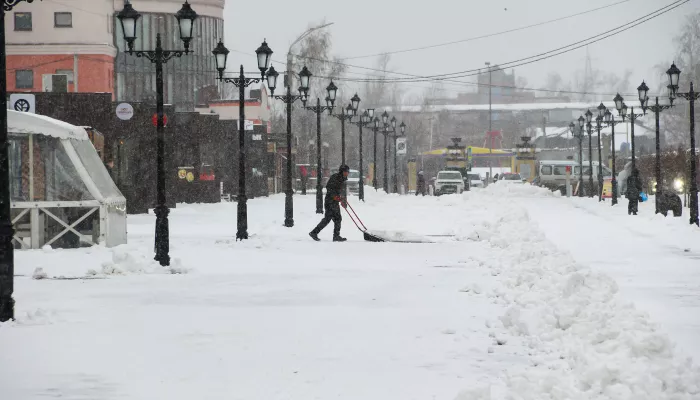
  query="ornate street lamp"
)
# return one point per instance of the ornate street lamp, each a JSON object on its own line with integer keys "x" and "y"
{"x": 589, "y": 128}
{"x": 318, "y": 109}
{"x": 128, "y": 17}
{"x": 674, "y": 76}
{"x": 365, "y": 119}
{"x": 610, "y": 121}
{"x": 599, "y": 123}
{"x": 289, "y": 99}
{"x": 264, "y": 54}
{"x": 657, "y": 108}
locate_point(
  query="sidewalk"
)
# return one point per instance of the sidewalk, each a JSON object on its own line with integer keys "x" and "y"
{"x": 655, "y": 260}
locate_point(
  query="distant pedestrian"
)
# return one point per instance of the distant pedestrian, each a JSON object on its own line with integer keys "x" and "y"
{"x": 334, "y": 198}
{"x": 304, "y": 178}
{"x": 420, "y": 187}
{"x": 634, "y": 190}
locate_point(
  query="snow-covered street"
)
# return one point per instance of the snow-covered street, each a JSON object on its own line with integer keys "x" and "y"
{"x": 517, "y": 297}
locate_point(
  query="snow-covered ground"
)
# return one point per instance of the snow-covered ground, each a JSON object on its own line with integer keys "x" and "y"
{"x": 494, "y": 308}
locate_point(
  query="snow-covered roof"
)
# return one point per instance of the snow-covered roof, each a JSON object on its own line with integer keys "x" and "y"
{"x": 507, "y": 107}
{"x": 28, "y": 123}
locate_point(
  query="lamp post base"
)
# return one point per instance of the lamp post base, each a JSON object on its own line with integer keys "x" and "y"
{"x": 614, "y": 191}
{"x": 162, "y": 235}
{"x": 242, "y": 218}
{"x": 288, "y": 210}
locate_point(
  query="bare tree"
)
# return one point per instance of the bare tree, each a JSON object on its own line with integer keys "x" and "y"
{"x": 676, "y": 120}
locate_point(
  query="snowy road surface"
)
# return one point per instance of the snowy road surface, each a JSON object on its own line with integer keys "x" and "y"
{"x": 495, "y": 308}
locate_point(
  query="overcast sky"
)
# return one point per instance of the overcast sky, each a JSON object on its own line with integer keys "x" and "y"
{"x": 364, "y": 27}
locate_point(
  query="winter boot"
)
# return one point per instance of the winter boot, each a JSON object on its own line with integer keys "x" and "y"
{"x": 339, "y": 239}
{"x": 314, "y": 236}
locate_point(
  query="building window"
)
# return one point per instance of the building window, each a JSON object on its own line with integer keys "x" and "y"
{"x": 23, "y": 21}
{"x": 24, "y": 79}
{"x": 63, "y": 20}
{"x": 68, "y": 72}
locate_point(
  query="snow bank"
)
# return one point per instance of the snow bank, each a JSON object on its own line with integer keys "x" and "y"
{"x": 517, "y": 189}
{"x": 398, "y": 236}
{"x": 584, "y": 342}
{"x": 126, "y": 262}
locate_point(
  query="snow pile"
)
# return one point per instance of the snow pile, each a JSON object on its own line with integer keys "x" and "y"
{"x": 584, "y": 343}
{"x": 519, "y": 190}
{"x": 126, "y": 262}
{"x": 399, "y": 236}
{"x": 39, "y": 273}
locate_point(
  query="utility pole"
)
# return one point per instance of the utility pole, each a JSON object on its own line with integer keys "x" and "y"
{"x": 488, "y": 65}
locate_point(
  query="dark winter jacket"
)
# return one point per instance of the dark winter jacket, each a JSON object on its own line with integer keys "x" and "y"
{"x": 334, "y": 188}
{"x": 634, "y": 186}
{"x": 421, "y": 182}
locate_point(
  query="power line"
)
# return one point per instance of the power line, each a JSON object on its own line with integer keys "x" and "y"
{"x": 547, "y": 54}
{"x": 488, "y": 35}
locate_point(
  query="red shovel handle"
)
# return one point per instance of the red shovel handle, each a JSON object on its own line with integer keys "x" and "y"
{"x": 356, "y": 216}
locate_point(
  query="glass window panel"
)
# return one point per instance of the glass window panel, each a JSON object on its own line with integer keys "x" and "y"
{"x": 63, "y": 19}
{"x": 24, "y": 79}
{"x": 59, "y": 178}
{"x": 23, "y": 21}
{"x": 67, "y": 72}
{"x": 19, "y": 162}
{"x": 95, "y": 168}
{"x": 560, "y": 170}
{"x": 546, "y": 170}
{"x": 146, "y": 22}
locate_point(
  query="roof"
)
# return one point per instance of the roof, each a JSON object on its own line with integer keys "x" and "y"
{"x": 35, "y": 124}
{"x": 581, "y": 106}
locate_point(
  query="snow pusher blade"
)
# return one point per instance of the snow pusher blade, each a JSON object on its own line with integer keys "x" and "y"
{"x": 368, "y": 236}
{"x": 384, "y": 236}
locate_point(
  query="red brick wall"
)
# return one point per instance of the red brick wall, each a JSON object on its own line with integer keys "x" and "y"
{"x": 95, "y": 71}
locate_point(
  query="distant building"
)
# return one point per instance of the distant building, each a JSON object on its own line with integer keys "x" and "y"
{"x": 82, "y": 40}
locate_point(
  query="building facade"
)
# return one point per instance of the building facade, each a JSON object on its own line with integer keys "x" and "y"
{"x": 69, "y": 38}
{"x": 189, "y": 80}
{"x": 82, "y": 39}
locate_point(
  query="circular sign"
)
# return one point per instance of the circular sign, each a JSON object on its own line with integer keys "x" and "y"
{"x": 181, "y": 174}
{"x": 125, "y": 111}
{"x": 22, "y": 105}
{"x": 190, "y": 177}
{"x": 402, "y": 146}
{"x": 154, "y": 119}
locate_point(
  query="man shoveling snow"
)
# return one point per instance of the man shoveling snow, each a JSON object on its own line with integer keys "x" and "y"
{"x": 331, "y": 204}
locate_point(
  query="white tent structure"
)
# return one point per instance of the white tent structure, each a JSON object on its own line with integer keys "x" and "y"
{"x": 60, "y": 186}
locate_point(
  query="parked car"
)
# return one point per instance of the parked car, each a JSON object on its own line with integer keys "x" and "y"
{"x": 448, "y": 182}
{"x": 475, "y": 180}
{"x": 353, "y": 182}
{"x": 511, "y": 178}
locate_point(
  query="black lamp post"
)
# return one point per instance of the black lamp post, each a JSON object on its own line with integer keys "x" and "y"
{"x": 346, "y": 114}
{"x": 385, "y": 120}
{"x": 401, "y": 133}
{"x": 7, "y": 252}
{"x": 656, "y": 109}
{"x": 625, "y": 113}
{"x": 577, "y": 132}
{"x": 365, "y": 119}
{"x": 318, "y": 109}
{"x": 128, "y": 17}
{"x": 264, "y": 54}
{"x": 610, "y": 121}
{"x": 599, "y": 125}
{"x": 589, "y": 128}
{"x": 375, "y": 129}
{"x": 289, "y": 99}
{"x": 674, "y": 76}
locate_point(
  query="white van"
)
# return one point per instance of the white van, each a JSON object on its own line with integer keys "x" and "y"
{"x": 552, "y": 173}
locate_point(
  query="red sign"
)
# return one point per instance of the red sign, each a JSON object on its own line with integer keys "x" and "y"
{"x": 568, "y": 169}
{"x": 155, "y": 120}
